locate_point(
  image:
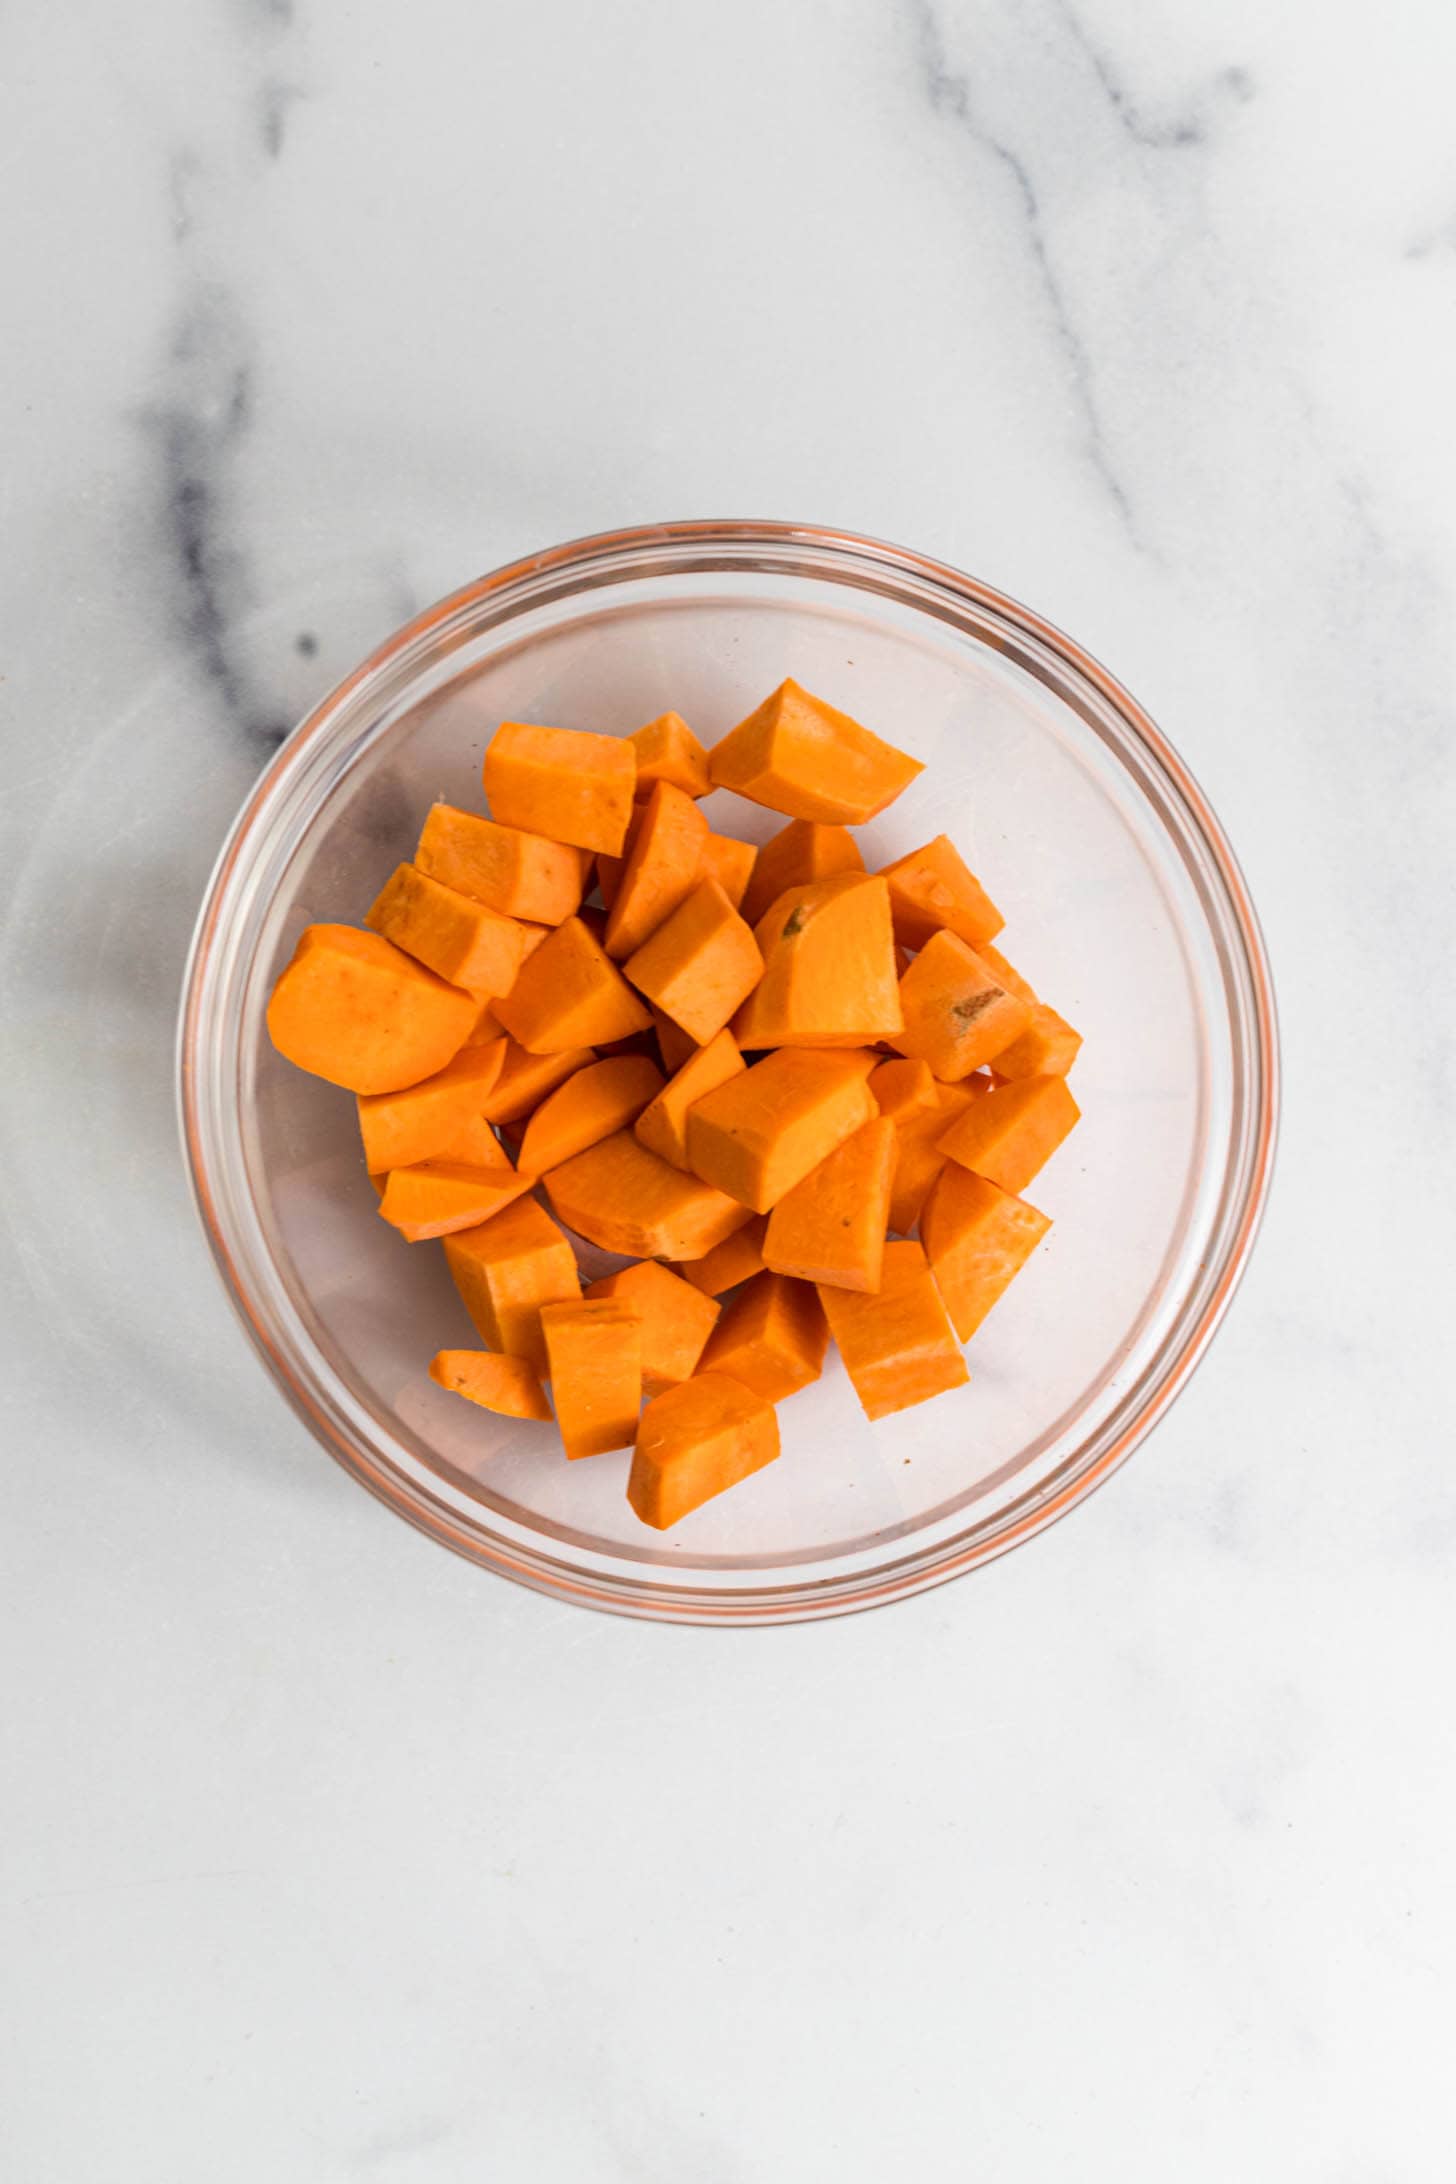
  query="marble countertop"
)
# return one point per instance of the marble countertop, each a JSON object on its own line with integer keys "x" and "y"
{"x": 328, "y": 1857}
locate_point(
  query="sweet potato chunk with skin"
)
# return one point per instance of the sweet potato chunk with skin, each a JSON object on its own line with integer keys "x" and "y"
{"x": 772, "y": 1337}
{"x": 729, "y": 1263}
{"x": 570, "y": 994}
{"x": 1047, "y": 1048}
{"x": 521, "y": 875}
{"x": 594, "y": 1362}
{"x": 1010, "y": 1134}
{"x": 694, "y": 1441}
{"x": 898, "y": 1346}
{"x": 759, "y": 1134}
{"x": 831, "y": 1227}
{"x": 506, "y": 1385}
{"x": 437, "y": 1197}
{"x": 667, "y": 750}
{"x": 977, "y": 1238}
{"x": 829, "y": 972}
{"x": 453, "y": 936}
{"x": 664, "y": 854}
{"x": 356, "y": 1010}
{"x": 677, "y": 1320}
{"x": 699, "y": 964}
{"x": 803, "y": 757}
{"x": 599, "y": 1100}
{"x": 957, "y": 1018}
{"x": 506, "y": 1269}
{"x": 798, "y": 854}
{"x": 525, "y": 1079}
{"x": 565, "y": 783}
{"x": 424, "y": 1120}
{"x": 624, "y": 1198}
{"x": 663, "y": 1127}
{"x": 731, "y": 863}
{"x": 932, "y": 890}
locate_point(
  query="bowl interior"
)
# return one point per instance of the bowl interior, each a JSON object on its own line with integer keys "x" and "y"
{"x": 1105, "y": 888}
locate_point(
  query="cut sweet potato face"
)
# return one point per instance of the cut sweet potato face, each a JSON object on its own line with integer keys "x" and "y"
{"x": 731, "y": 863}
{"x": 1047, "y": 1048}
{"x": 803, "y": 757}
{"x": 829, "y": 972}
{"x": 565, "y": 783}
{"x": 729, "y": 1263}
{"x": 437, "y": 1197}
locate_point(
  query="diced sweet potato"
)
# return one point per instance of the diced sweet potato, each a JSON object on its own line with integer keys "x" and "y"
{"x": 570, "y": 994}
{"x": 525, "y": 1079}
{"x": 624, "y": 1198}
{"x": 898, "y": 1346}
{"x": 1047, "y": 1048}
{"x": 735, "y": 1260}
{"x": 1010, "y": 1134}
{"x": 451, "y": 934}
{"x": 699, "y": 964}
{"x": 829, "y": 972}
{"x": 677, "y": 1319}
{"x": 426, "y": 1121}
{"x": 931, "y": 891}
{"x": 803, "y": 757}
{"x": 798, "y": 854}
{"x": 506, "y": 1385}
{"x": 506, "y": 1269}
{"x": 519, "y": 874}
{"x": 731, "y": 863}
{"x": 437, "y": 1197}
{"x": 594, "y": 1362}
{"x": 356, "y": 1010}
{"x": 664, "y": 855}
{"x": 762, "y": 1131}
{"x": 562, "y": 782}
{"x": 831, "y": 1226}
{"x": 600, "y": 1099}
{"x": 957, "y": 1016}
{"x": 694, "y": 1441}
{"x": 772, "y": 1337}
{"x": 667, "y": 750}
{"x": 663, "y": 1127}
{"x": 977, "y": 1238}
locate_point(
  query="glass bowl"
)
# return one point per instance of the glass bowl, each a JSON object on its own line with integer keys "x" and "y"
{"x": 1124, "y": 907}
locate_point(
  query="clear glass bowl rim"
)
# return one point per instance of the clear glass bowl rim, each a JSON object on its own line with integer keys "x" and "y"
{"x": 873, "y": 565}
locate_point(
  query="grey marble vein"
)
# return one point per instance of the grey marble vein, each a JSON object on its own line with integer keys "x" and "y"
{"x": 950, "y": 94}
{"x": 1184, "y": 130}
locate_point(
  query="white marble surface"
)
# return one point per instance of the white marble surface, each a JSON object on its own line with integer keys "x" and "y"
{"x": 327, "y": 1857}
